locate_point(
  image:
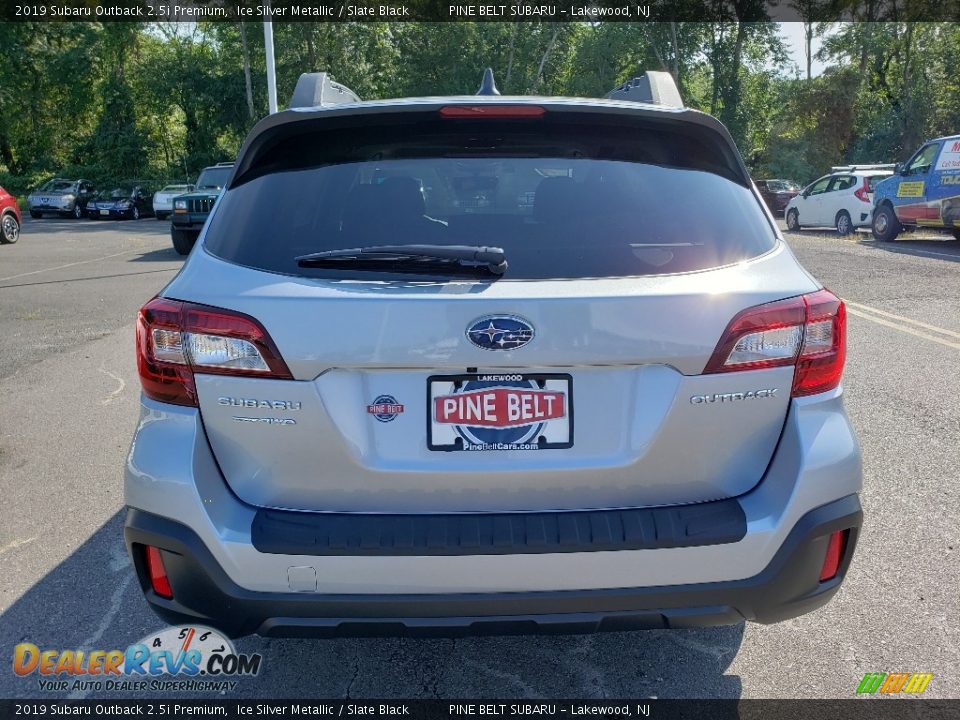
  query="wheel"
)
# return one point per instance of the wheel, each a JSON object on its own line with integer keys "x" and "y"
{"x": 956, "y": 233}
{"x": 183, "y": 240}
{"x": 844, "y": 224}
{"x": 9, "y": 229}
{"x": 36, "y": 215}
{"x": 77, "y": 211}
{"x": 793, "y": 220}
{"x": 136, "y": 213}
{"x": 162, "y": 216}
{"x": 886, "y": 227}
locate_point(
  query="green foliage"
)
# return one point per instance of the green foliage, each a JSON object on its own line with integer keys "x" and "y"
{"x": 160, "y": 101}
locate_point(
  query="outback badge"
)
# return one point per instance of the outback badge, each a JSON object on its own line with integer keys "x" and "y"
{"x": 500, "y": 332}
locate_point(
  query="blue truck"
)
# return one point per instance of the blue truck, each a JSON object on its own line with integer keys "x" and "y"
{"x": 923, "y": 192}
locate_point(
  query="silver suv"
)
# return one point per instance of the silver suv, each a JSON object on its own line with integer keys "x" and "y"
{"x": 493, "y": 365}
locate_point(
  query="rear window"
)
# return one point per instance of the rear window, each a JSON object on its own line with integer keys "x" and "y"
{"x": 561, "y": 199}
{"x": 874, "y": 179}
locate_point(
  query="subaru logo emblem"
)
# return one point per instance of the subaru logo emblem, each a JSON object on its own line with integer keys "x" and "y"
{"x": 500, "y": 332}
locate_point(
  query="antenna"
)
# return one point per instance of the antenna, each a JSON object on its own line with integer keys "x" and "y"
{"x": 488, "y": 86}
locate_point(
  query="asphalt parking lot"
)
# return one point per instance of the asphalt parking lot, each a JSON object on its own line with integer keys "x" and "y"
{"x": 69, "y": 292}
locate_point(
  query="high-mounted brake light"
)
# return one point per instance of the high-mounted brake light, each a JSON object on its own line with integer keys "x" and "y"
{"x": 177, "y": 339}
{"x": 861, "y": 192}
{"x": 807, "y": 331}
{"x": 492, "y": 111}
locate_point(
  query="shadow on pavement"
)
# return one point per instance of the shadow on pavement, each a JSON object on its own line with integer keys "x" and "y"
{"x": 167, "y": 254}
{"x": 84, "y": 279}
{"x": 85, "y": 226}
{"x": 91, "y": 600}
{"x": 946, "y": 249}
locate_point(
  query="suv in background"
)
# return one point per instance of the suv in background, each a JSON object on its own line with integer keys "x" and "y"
{"x": 190, "y": 211}
{"x": 67, "y": 198}
{"x": 777, "y": 193}
{"x": 9, "y": 218}
{"x": 842, "y": 200}
{"x": 924, "y": 192}
{"x": 473, "y": 376}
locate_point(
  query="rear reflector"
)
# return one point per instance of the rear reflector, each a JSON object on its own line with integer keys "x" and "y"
{"x": 158, "y": 574}
{"x": 831, "y": 562}
{"x": 492, "y": 111}
{"x": 177, "y": 339}
{"x": 807, "y": 331}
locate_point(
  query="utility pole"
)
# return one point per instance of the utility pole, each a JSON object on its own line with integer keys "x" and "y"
{"x": 271, "y": 63}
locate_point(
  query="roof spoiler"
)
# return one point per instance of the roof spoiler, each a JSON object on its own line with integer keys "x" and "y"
{"x": 320, "y": 90}
{"x": 654, "y": 87}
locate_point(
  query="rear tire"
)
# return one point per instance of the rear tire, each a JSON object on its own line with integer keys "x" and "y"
{"x": 36, "y": 215}
{"x": 183, "y": 240}
{"x": 9, "y": 229}
{"x": 843, "y": 223}
{"x": 162, "y": 216}
{"x": 956, "y": 233}
{"x": 793, "y": 220}
{"x": 885, "y": 226}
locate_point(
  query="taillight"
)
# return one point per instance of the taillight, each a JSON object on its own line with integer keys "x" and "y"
{"x": 158, "y": 573}
{"x": 177, "y": 339}
{"x": 861, "y": 193}
{"x": 807, "y": 331}
{"x": 492, "y": 111}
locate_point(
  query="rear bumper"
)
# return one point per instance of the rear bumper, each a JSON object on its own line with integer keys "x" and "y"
{"x": 787, "y": 587}
{"x": 276, "y": 581}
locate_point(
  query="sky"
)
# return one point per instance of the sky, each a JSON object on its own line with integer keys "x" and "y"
{"x": 792, "y": 34}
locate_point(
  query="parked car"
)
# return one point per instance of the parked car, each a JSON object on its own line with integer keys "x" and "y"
{"x": 9, "y": 218}
{"x": 67, "y": 198}
{"x": 127, "y": 202}
{"x": 924, "y": 192}
{"x": 190, "y": 211}
{"x": 395, "y": 395}
{"x": 777, "y": 193}
{"x": 163, "y": 199}
{"x": 842, "y": 200}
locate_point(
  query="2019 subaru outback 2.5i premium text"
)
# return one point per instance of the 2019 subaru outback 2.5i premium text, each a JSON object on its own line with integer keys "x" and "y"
{"x": 494, "y": 365}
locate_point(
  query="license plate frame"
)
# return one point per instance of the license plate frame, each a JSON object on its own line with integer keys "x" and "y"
{"x": 104, "y": 212}
{"x": 552, "y": 433}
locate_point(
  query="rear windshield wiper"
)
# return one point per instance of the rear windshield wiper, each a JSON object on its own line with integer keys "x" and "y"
{"x": 411, "y": 258}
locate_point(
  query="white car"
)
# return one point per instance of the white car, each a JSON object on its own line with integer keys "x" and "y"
{"x": 843, "y": 199}
{"x": 163, "y": 199}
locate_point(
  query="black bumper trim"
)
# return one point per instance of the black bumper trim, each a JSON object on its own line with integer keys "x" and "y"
{"x": 286, "y": 532}
{"x": 789, "y": 586}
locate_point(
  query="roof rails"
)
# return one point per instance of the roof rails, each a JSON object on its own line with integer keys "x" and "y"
{"x": 224, "y": 164}
{"x": 320, "y": 90}
{"x": 653, "y": 87}
{"x": 855, "y": 168}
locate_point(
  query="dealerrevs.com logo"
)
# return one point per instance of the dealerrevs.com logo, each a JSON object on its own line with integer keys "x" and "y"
{"x": 190, "y": 658}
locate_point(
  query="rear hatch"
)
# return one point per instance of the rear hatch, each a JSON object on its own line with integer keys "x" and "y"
{"x": 572, "y": 380}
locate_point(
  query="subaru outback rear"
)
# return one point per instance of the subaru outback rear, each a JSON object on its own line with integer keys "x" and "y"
{"x": 497, "y": 365}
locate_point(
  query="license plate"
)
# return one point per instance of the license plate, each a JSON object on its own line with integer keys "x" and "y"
{"x": 499, "y": 412}
{"x": 104, "y": 212}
